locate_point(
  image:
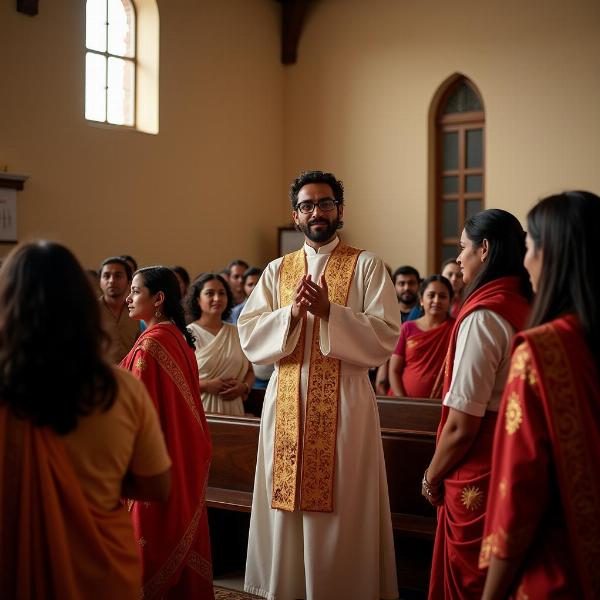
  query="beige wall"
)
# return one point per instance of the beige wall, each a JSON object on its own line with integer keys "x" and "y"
{"x": 189, "y": 195}
{"x": 358, "y": 103}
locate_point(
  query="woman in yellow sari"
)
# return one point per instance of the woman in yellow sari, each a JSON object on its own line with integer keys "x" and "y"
{"x": 75, "y": 433}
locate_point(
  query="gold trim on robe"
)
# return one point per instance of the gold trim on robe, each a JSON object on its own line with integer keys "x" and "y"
{"x": 322, "y": 396}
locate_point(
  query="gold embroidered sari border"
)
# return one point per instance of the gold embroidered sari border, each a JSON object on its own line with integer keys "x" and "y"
{"x": 168, "y": 363}
{"x": 574, "y": 461}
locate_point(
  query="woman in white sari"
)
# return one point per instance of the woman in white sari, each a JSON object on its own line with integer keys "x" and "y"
{"x": 225, "y": 374}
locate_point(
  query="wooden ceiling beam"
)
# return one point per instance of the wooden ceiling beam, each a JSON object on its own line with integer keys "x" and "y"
{"x": 28, "y": 7}
{"x": 292, "y": 19}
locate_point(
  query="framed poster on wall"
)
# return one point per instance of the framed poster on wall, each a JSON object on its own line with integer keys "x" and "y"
{"x": 290, "y": 240}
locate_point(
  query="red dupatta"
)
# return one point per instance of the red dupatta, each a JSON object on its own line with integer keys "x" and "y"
{"x": 455, "y": 573}
{"x": 173, "y": 536}
{"x": 53, "y": 542}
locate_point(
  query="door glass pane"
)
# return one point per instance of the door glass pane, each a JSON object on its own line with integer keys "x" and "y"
{"x": 474, "y": 148}
{"x": 95, "y": 87}
{"x": 472, "y": 207}
{"x": 450, "y": 184}
{"x": 95, "y": 25}
{"x": 449, "y": 251}
{"x": 120, "y": 91}
{"x": 473, "y": 184}
{"x": 449, "y": 218}
{"x": 450, "y": 149}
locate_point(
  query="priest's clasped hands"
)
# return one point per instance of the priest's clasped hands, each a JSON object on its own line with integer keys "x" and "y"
{"x": 311, "y": 297}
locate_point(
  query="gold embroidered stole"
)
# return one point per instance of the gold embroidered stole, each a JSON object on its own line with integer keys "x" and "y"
{"x": 322, "y": 396}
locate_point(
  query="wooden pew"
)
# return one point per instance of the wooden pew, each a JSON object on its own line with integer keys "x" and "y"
{"x": 231, "y": 477}
{"x": 408, "y": 429}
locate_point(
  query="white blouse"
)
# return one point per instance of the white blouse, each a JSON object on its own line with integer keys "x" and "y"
{"x": 481, "y": 363}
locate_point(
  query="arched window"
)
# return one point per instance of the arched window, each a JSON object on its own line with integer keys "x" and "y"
{"x": 110, "y": 62}
{"x": 460, "y": 164}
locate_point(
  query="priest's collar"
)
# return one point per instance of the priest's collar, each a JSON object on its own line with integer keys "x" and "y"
{"x": 326, "y": 249}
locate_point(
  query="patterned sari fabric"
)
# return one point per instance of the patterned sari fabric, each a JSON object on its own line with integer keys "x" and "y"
{"x": 455, "y": 573}
{"x": 173, "y": 536}
{"x": 53, "y": 542}
{"x": 545, "y": 480}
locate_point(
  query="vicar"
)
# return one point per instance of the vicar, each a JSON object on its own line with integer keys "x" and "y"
{"x": 320, "y": 525}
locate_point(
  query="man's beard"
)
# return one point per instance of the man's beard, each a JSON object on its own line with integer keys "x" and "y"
{"x": 321, "y": 235}
{"x": 408, "y": 298}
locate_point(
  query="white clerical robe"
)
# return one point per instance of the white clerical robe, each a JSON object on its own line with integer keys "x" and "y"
{"x": 347, "y": 554}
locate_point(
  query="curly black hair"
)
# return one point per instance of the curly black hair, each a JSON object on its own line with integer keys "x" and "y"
{"x": 190, "y": 302}
{"x": 307, "y": 177}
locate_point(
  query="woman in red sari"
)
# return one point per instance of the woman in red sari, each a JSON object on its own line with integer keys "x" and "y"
{"x": 416, "y": 364}
{"x": 542, "y": 529}
{"x": 457, "y": 479}
{"x": 173, "y": 537}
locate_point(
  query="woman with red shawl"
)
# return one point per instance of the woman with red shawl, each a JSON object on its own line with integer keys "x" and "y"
{"x": 543, "y": 525}
{"x": 496, "y": 306}
{"x": 173, "y": 537}
{"x": 416, "y": 365}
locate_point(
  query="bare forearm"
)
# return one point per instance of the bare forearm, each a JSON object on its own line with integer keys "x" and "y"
{"x": 453, "y": 446}
{"x": 152, "y": 488}
{"x": 396, "y": 383}
{"x": 206, "y": 385}
{"x": 500, "y": 576}
{"x": 249, "y": 379}
{"x": 382, "y": 383}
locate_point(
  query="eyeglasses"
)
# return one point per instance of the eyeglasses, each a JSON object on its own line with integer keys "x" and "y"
{"x": 325, "y": 205}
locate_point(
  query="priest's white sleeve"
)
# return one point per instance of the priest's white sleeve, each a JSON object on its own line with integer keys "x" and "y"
{"x": 264, "y": 328}
{"x": 366, "y": 337}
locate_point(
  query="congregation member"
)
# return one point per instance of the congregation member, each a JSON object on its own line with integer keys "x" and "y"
{"x": 451, "y": 271}
{"x": 115, "y": 279}
{"x": 224, "y": 273}
{"x": 251, "y": 277}
{"x": 75, "y": 432}
{"x": 406, "y": 282}
{"x": 457, "y": 480}
{"x": 226, "y": 375}
{"x": 262, "y": 373}
{"x": 131, "y": 262}
{"x": 236, "y": 269}
{"x": 94, "y": 280}
{"x": 543, "y": 517}
{"x": 320, "y": 525}
{"x": 183, "y": 278}
{"x": 173, "y": 537}
{"x": 416, "y": 367}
